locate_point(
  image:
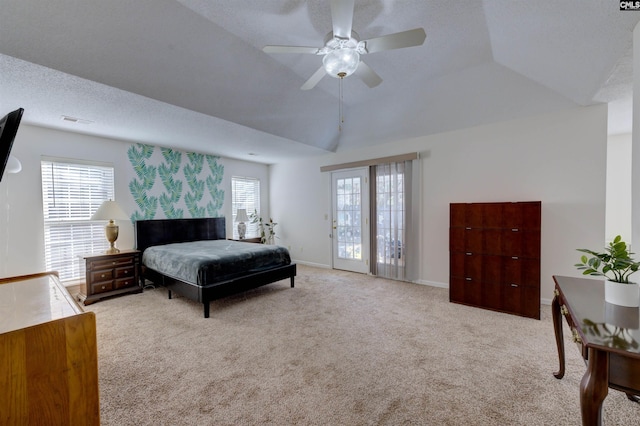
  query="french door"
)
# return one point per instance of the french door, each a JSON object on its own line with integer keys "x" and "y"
{"x": 350, "y": 230}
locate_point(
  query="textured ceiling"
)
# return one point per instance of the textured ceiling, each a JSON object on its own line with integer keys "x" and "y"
{"x": 192, "y": 74}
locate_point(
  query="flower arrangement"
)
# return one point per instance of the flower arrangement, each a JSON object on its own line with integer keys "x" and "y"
{"x": 267, "y": 231}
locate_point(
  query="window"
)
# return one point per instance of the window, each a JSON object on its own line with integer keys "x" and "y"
{"x": 71, "y": 193}
{"x": 245, "y": 194}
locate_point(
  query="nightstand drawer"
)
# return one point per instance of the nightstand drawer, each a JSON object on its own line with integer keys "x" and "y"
{"x": 125, "y": 272}
{"x": 125, "y": 282}
{"x": 101, "y": 287}
{"x": 110, "y": 263}
{"x": 105, "y": 275}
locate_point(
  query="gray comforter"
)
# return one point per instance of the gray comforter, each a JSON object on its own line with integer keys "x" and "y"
{"x": 209, "y": 262}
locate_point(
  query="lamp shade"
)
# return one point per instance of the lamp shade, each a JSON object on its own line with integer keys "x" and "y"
{"x": 110, "y": 210}
{"x": 241, "y": 215}
{"x": 13, "y": 165}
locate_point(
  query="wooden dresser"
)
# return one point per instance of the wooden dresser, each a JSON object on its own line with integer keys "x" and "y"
{"x": 48, "y": 355}
{"x": 495, "y": 256}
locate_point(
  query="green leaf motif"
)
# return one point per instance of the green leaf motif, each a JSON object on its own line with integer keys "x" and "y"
{"x": 191, "y": 172}
{"x": 168, "y": 208}
{"x": 173, "y": 187}
{"x": 165, "y": 174}
{"x": 192, "y": 205}
{"x": 213, "y": 181}
{"x": 191, "y": 175}
{"x": 217, "y": 170}
{"x": 136, "y": 216}
{"x": 211, "y": 210}
{"x": 198, "y": 189}
{"x": 195, "y": 162}
{"x": 200, "y": 182}
{"x": 173, "y": 159}
{"x": 138, "y": 154}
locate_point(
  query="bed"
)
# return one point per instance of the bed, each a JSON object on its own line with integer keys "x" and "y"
{"x": 193, "y": 258}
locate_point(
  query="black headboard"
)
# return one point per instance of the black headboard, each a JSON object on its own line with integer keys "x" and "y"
{"x": 165, "y": 231}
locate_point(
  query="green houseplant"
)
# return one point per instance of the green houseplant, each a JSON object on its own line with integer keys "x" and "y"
{"x": 616, "y": 265}
{"x": 267, "y": 231}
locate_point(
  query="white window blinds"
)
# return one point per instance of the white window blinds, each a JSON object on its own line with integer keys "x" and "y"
{"x": 245, "y": 194}
{"x": 71, "y": 193}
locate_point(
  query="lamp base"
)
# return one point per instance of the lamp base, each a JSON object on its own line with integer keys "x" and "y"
{"x": 242, "y": 230}
{"x": 111, "y": 231}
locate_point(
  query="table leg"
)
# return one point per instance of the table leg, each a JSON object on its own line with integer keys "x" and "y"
{"x": 557, "y": 326}
{"x": 594, "y": 387}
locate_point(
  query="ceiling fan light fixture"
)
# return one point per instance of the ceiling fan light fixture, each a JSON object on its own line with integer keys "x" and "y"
{"x": 340, "y": 63}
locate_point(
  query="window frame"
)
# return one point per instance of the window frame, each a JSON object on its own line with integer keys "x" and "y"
{"x": 72, "y": 191}
{"x": 250, "y": 201}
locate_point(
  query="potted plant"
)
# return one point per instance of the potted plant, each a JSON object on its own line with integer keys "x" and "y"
{"x": 267, "y": 231}
{"x": 616, "y": 265}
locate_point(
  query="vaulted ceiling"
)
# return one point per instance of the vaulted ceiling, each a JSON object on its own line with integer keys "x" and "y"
{"x": 192, "y": 73}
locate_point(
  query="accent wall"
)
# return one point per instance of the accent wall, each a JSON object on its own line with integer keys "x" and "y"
{"x": 172, "y": 184}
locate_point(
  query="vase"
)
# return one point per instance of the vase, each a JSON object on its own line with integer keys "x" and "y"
{"x": 622, "y": 294}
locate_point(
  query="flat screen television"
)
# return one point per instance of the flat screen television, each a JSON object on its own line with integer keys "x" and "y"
{"x": 8, "y": 129}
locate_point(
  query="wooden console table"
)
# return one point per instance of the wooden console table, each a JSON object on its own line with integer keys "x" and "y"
{"x": 608, "y": 337}
{"x": 48, "y": 354}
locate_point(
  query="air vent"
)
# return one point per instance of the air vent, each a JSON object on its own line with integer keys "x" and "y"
{"x": 75, "y": 120}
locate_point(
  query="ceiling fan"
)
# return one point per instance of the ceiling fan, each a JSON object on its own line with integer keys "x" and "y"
{"x": 342, "y": 48}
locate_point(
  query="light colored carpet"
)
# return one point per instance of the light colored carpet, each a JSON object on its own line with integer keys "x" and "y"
{"x": 338, "y": 349}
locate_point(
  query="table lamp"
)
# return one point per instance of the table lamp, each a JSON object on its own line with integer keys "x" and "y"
{"x": 110, "y": 210}
{"x": 241, "y": 218}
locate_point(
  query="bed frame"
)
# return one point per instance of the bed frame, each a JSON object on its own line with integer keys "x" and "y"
{"x": 165, "y": 231}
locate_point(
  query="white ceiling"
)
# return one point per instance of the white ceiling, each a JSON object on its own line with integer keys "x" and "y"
{"x": 191, "y": 74}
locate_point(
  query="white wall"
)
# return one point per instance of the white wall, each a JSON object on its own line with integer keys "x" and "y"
{"x": 618, "y": 210}
{"x": 635, "y": 151}
{"x": 558, "y": 159}
{"x": 21, "y": 220}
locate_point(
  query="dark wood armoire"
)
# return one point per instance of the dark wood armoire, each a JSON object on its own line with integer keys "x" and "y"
{"x": 495, "y": 256}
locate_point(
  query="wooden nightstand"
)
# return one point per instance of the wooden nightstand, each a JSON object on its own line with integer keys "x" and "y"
{"x": 111, "y": 275}
{"x": 257, "y": 240}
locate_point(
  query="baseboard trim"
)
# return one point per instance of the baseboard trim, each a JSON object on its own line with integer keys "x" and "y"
{"x": 316, "y": 265}
{"x": 446, "y": 285}
{"x": 432, "y": 283}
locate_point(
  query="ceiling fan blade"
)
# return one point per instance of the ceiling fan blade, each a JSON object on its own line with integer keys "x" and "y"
{"x": 315, "y": 79}
{"x": 290, "y": 49}
{"x": 396, "y": 41}
{"x": 368, "y": 75}
{"x": 342, "y": 18}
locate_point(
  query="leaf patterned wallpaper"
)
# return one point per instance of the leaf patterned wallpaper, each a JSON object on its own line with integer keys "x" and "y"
{"x": 171, "y": 184}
